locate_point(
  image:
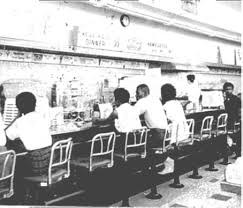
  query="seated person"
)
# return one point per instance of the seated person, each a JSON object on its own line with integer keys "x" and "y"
{"x": 125, "y": 117}
{"x": 154, "y": 115}
{"x": 33, "y": 130}
{"x": 175, "y": 115}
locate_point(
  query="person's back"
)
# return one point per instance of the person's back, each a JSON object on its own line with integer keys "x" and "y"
{"x": 33, "y": 130}
{"x": 154, "y": 115}
{"x": 176, "y": 115}
{"x": 128, "y": 119}
{"x": 152, "y": 109}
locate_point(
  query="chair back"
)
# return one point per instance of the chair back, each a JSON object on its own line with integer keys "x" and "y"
{"x": 60, "y": 160}
{"x": 167, "y": 138}
{"x": 7, "y": 166}
{"x": 102, "y": 147}
{"x": 191, "y": 126}
{"x": 206, "y": 128}
{"x": 136, "y": 141}
{"x": 222, "y": 124}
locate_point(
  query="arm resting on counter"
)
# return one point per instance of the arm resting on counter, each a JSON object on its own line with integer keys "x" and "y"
{"x": 112, "y": 117}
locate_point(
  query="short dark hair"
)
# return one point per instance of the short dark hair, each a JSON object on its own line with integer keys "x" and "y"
{"x": 228, "y": 84}
{"x": 191, "y": 77}
{"x": 168, "y": 92}
{"x": 26, "y": 102}
{"x": 144, "y": 88}
{"x": 121, "y": 95}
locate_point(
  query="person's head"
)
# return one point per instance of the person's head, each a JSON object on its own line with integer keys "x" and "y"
{"x": 168, "y": 92}
{"x": 190, "y": 78}
{"x": 142, "y": 91}
{"x": 121, "y": 96}
{"x": 26, "y": 102}
{"x": 228, "y": 88}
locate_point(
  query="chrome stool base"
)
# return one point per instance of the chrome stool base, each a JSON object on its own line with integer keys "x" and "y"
{"x": 195, "y": 176}
{"x": 153, "y": 196}
{"x": 176, "y": 185}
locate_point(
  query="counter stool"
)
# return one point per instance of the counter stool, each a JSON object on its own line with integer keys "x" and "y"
{"x": 221, "y": 133}
{"x": 135, "y": 147}
{"x": 161, "y": 151}
{"x": 183, "y": 149}
{"x": 196, "y": 148}
{"x": 7, "y": 167}
{"x": 221, "y": 128}
{"x": 206, "y": 137}
{"x": 58, "y": 169}
{"x": 101, "y": 155}
{"x": 133, "y": 141}
{"x": 206, "y": 129}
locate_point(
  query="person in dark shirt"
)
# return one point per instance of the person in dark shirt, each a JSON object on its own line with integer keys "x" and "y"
{"x": 232, "y": 104}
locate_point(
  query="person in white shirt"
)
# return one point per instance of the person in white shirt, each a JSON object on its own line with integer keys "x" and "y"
{"x": 193, "y": 92}
{"x": 154, "y": 115}
{"x": 174, "y": 113}
{"x": 33, "y": 130}
{"x": 125, "y": 117}
{"x": 176, "y": 117}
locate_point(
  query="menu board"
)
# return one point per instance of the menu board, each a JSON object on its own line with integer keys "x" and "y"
{"x": 98, "y": 40}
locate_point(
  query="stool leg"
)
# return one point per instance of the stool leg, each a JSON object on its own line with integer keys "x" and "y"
{"x": 211, "y": 167}
{"x": 176, "y": 183}
{"x": 195, "y": 174}
{"x": 211, "y": 156}
{"x": 153, "y": 191}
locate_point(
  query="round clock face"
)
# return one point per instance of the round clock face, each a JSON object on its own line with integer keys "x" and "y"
{"x": 125, "y": 20}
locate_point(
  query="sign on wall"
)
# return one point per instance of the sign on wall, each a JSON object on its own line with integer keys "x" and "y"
{"x": 99, "y": 40}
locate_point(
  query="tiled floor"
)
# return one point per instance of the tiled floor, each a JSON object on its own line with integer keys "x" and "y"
{"x": 202, "y": 193}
